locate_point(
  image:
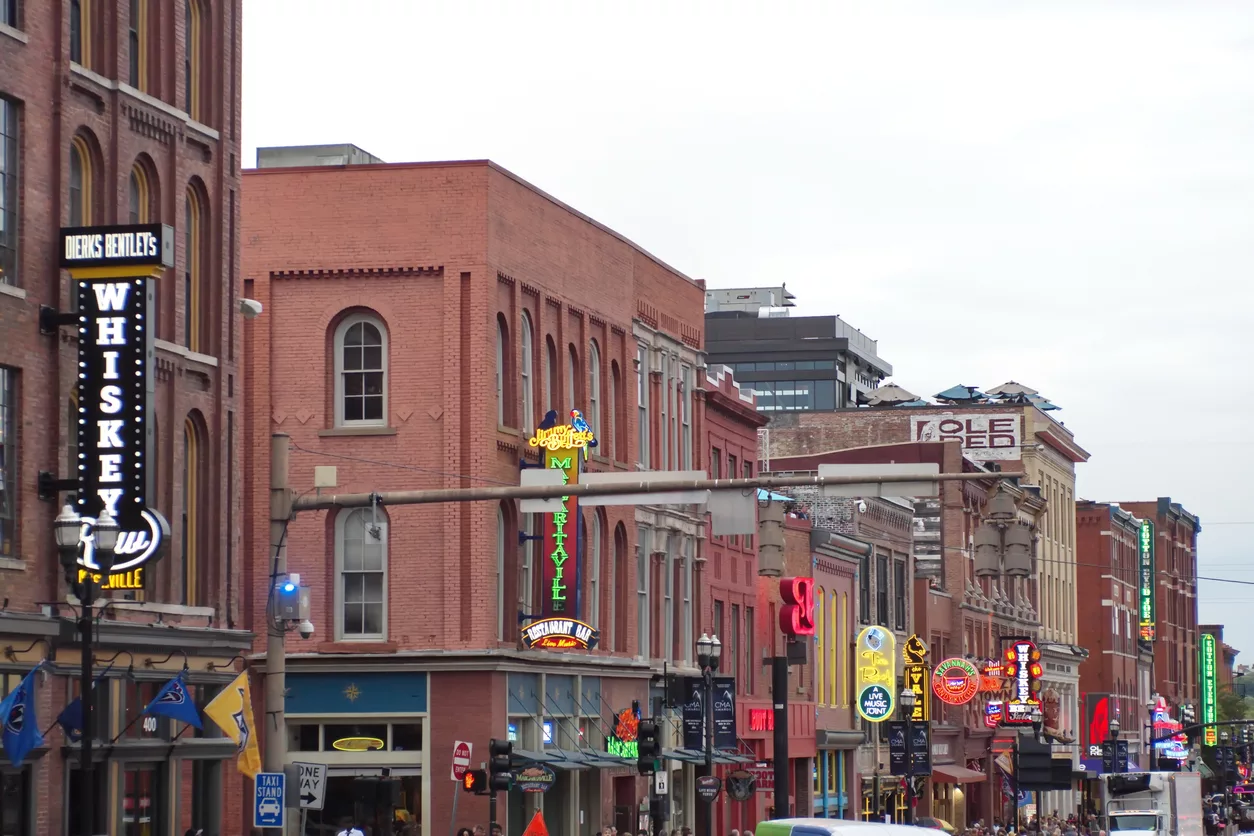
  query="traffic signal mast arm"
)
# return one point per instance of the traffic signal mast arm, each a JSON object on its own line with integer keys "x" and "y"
{"x": 645, "y": 486}
{"x": 1197, "y": 727}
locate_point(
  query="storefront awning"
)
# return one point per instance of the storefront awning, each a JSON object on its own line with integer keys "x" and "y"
{"x": 685, "y": 755}
{"x": 950, "y": 773}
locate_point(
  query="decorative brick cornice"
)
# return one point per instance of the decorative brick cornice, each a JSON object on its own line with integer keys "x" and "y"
{"x": 148, "y": 123}
{"x": 618, "y": 330}
{"x": 593, "y": 319}
{"x": 553, "y": 301}
{"x": 504, "y": 279}
{"x": 646, "y": 313}
{"x": 573, "y": 311}
{"x": 530, "y": 290}
{"x": 507, "y": 447}
{"x": 358, "y": 273}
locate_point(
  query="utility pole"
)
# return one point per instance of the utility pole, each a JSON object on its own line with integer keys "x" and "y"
{"x": 276, "y": 661}
{"x": 779, "y": 699}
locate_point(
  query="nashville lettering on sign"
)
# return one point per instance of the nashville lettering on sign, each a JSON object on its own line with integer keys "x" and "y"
{"x": 114, "y": 426}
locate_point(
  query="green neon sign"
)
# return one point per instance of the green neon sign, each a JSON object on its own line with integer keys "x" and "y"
{"x": 622, "y": 748}
{"x": 1149, "y": 614}
{"x": 1208, "y": 672}
{"x": 557, "y": 538}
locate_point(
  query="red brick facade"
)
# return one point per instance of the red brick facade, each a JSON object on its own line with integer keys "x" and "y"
{"x": 460, "y": 268}
{"x": 93, "y": 144}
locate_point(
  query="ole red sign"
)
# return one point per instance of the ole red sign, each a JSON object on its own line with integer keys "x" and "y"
{"x": 796, "y": 617}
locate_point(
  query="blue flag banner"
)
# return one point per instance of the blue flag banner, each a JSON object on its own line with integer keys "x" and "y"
{"x": 174, "y": 702}
{"x": 20, "y": 733}
{"x": 71, "y": 720}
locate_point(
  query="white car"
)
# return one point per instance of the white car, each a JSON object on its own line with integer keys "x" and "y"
{"x": 270, "y": 807}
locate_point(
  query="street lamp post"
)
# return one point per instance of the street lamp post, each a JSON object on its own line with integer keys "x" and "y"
{"x": 68, "y": 529}
{"x": 1113, "y": 738}
{"x": 709, "y": 649}
{"x": 1038, "y": 722}
{"x": 907, "y": 708}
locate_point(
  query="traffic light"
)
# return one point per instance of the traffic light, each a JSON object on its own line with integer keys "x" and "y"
{"x": 476, "y": 781}
{"x": 500, "y": 774}
{"x": 647, "y": 747}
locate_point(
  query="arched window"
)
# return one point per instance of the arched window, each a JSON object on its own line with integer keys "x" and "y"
{"x": 82, "y": 178}
{"x": 616, "y": 620}
{"x": 502, "y": 540}
{"x": 80, "y": 32}
{"x": 594, "y": 389}
{"x": 361, "y": 570}
{"x": 502, "y": 371}
{"x": 525, "y": 371}
{"x": 820, "y": 682}
{"x": 193, "y": 64}
{"x": 593, "y": 561}
{"x": 71, "y": 443}
{"x": 612, "y": 423}
{"x": 531, "y": 524}
{"x": 550, "y": 374}
{"x": 139, "y": 195}
{"x": 573, "y": 395}
{"x": 138, "y": 42}
{"x": 193, "y": 475}
{"x": 361, "y": 368}
{"x": 193, "y": 271}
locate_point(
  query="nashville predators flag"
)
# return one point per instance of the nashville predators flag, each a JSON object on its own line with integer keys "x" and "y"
{"x": 232, "y": 710}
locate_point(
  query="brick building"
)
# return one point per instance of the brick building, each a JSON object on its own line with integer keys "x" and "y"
{"x": 1175, "y": 673}
{"x": 421, "y": 319}
{"x": 957, "y": 609}
{"x": 1228, "y": 656}
{"x": 1115, "y": 680}
{"x": 113, "y": 113}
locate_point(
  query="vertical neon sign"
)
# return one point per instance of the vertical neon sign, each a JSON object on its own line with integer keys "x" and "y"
{"x": 1149, "y": 613}
{"x": 1208, "y": 669}
{"x": 562, "y": 444}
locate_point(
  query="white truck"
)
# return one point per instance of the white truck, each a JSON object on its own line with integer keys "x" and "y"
{"x": 1153, "y": 803}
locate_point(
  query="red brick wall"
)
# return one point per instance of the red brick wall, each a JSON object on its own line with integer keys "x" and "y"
{"x": 57, "y": 101}
{"x": 467, "y": 242}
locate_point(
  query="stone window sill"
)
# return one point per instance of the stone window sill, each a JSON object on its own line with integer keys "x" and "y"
{"x": 366, "y": 646}
{"x": 349, "y": 431}
{"x": 16, "y": 564}
{"x": 187, "y": 353}
{"x": 15, "y": 34}
{"x": 10, "y": 290}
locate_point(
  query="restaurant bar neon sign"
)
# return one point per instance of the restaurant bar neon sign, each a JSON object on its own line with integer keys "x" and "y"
{"x": 1149, "y": 615}
{"x": 561, "y": 444}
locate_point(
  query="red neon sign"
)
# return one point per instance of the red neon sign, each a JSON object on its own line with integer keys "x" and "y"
{"x": 761, "y": 719}
{"x": 796, "y": 617}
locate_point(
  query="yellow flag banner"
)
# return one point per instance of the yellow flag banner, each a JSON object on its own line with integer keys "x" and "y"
{"x": 232, "y": 710}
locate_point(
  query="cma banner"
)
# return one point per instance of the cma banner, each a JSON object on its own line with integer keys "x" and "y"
{"x": 115, "y": 386}
{"x": 694, "y": 713}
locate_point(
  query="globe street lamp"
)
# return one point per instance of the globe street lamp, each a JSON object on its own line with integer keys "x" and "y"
{"x": 907, "y": 708}
{"x": 68, "y": 531}
{"x": 709, "y": 649}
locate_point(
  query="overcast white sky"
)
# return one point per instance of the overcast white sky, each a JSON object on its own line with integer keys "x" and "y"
{"x": 1058, "y": 192}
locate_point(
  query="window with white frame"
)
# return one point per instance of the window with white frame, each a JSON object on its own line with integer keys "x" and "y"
{"x": 525, "y": 374}
{"x": 361, "y": 368}
{"x": 642, "y": 591}
{"x": 572, "y": 376}
{"x": 361, "y": 569}
{"x": 642, "y": 402}
{"x": 664, "y": 460}
{"x": 527, "y": 563}
{"x": 594, "y": 568}
{"x": 594, "y": 389}
{"x": 673, "y": 393}
{"x": 611, "y": 427}
{"x": 688, "y": 382}
{"x": 668, "y": 599}
{"x": 686, "y": 629}
{"x": 502, "y": 538}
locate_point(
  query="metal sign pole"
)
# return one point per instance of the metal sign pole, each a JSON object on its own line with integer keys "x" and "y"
{"x": 452, "y": 822}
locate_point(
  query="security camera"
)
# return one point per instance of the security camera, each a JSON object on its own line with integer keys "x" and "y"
{"x": 306, "y": 629}
{"x": 861, "y": 506}
{"x": 250, "y": 308}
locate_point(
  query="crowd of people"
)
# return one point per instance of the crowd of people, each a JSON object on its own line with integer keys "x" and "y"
{"x": 1053, "y": 825}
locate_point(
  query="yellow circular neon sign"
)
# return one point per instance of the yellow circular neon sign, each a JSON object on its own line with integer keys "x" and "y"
{"x": 357, "y": 744}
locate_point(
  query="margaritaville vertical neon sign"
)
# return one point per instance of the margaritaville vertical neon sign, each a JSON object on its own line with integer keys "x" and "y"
{"x": 564, "y": 445}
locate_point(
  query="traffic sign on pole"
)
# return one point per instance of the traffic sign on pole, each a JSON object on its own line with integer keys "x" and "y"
{"x": 312, "y": 789}
{"x": 268, "y": 804}
{"x": 661, "y": 782}
{"x": 461, "y": 758}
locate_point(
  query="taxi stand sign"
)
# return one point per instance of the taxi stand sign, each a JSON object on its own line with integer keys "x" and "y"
{"x": 270, "y": 799}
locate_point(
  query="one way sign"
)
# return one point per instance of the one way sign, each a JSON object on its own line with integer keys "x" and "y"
{"x": 311, "y": 785}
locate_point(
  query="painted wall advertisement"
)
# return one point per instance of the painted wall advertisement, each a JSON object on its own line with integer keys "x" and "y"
{"x": 984, "y": 437}
{"x": 564, "y": 446}
{"x": 876, "y": 678}
{"x": 1149, "y": 611}
{"x": 1208, "y": 671}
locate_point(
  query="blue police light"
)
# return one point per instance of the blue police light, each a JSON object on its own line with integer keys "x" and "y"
{"x": 289, "y": 587}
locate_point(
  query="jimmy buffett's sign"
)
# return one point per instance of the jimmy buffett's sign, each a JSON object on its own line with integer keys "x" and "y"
{"x": 559, "y": 634}
{"x": 115, "y": 385}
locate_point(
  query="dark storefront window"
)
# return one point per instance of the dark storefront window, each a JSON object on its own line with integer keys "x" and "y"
{"x": 100, "y": 776}
{"x": 144, "y": 799}
{"x": 207, "y": 796}
{"x": 881, "y": 590}
{"x": 104, "y": 710}
{"x": 864, "y": 589}
{"x": 794, "y": 395}
{"x": 368, "y": 801}
{"x": 15, "y": 803}
{"x": 134, "y": 721}
{"x": 899, "y": 594}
